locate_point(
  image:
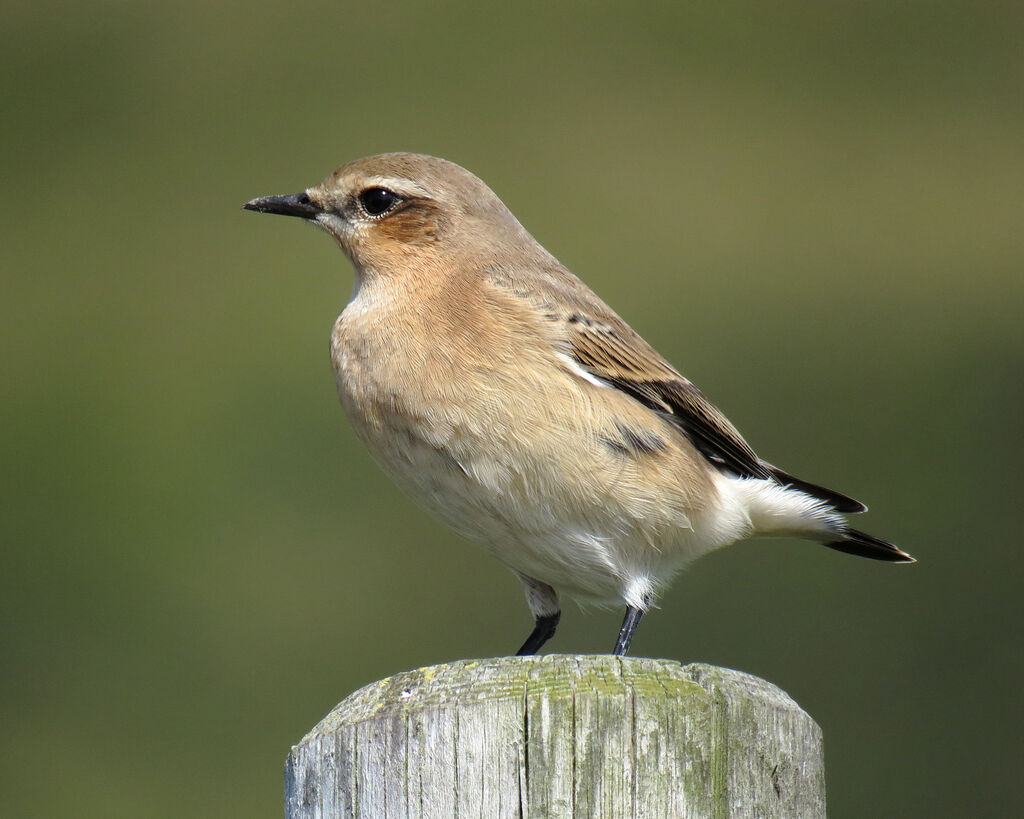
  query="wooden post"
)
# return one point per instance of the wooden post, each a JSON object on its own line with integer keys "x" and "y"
{"x": 561, "y": 736}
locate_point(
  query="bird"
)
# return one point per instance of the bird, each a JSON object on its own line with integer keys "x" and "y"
{"x": 501, "y": 393}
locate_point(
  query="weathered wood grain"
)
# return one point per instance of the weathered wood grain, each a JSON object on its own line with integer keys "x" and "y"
{"x": 557, "y": 736}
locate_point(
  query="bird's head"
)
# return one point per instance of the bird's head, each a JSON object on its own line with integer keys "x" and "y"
{"x": 395, "y": 212}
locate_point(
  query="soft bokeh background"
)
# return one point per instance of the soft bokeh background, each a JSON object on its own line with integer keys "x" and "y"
{"x": 813, "y": 209}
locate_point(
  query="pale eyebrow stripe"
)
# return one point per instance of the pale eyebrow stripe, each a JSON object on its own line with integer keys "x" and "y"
{"x": 398, "y": 184}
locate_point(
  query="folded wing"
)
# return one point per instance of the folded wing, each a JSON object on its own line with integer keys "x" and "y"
{"x": 608, "y": 349}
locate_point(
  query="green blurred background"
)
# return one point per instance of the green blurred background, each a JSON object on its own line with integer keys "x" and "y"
{"x": 812, "y": 209}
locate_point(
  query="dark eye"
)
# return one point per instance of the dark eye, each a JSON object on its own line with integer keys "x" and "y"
{"x": 377, "y": 201}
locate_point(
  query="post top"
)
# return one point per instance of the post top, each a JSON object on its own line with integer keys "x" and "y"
{"x": 465, "y": 682}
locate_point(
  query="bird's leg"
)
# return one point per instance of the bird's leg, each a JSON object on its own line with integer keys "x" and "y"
{"x": 629, "y": 624}
{"x": 543, "y": 631}
{"x": 543, "y": 602}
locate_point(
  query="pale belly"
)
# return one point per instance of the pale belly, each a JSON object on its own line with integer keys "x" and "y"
{"x": 542, "y": 494}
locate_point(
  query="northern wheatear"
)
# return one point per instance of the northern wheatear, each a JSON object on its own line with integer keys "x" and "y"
{"x": 501, "y": 393}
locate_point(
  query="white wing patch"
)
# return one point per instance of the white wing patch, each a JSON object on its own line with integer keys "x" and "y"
{"x": 576, "y": 369}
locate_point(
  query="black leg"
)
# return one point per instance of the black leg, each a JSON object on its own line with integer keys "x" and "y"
{"x": 629, "y": 624}
{"x": 543, "y": 631}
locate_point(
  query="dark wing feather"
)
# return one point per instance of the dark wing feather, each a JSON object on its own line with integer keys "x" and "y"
{"x": 614, "y": 353}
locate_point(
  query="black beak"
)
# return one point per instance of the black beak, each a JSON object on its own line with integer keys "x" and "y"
{"x": 292, "y": 204}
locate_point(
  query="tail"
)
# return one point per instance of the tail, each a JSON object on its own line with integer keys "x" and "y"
{"x": 805, "y": 510}
{"x": 864, "y": 545}
{"x": 853, "y": 542}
